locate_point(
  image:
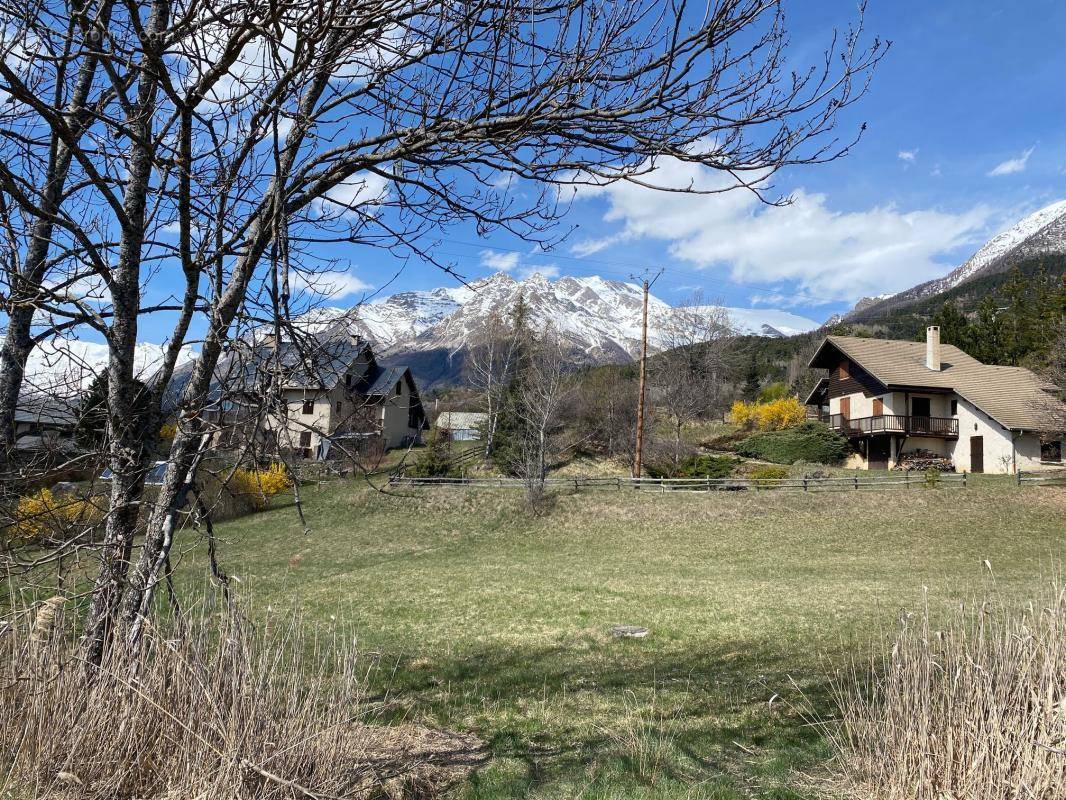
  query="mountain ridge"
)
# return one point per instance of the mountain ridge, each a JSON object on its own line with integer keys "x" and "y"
{"x": 1042, "y": 232}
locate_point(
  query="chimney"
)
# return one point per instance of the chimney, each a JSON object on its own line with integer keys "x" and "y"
{"x": 932, "y": 348}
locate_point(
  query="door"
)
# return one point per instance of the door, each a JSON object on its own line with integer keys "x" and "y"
{"x": 845, "y": 412}
{"x": 878, "y": 452}
{"x": 977, "y": 454}
{"x": 879, "y": 407}
{"x": 921, "y": 410}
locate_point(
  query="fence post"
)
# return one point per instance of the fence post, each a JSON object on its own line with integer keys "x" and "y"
{"x": 619, "y": 484}
{"x": 662, "y": 486}
{"x": 804, "y": 483}
{"x": 907, "y": 478}
{"x": 856, "y": 479}
{"x": 1019, "y": 476}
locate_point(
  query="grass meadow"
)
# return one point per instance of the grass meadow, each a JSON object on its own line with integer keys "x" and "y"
{"x": 485, "y": 620}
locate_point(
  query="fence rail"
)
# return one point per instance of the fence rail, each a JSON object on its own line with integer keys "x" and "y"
{"x": 1049, "y": 478}
{"x": 852, "y": 483}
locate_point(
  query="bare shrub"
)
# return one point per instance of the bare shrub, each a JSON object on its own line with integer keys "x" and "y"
{"x": 211, "y": 707}
{"x": 975, "y": 709}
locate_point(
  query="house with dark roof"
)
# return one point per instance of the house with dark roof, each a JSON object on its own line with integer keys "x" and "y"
{"x": 45, "y": 422}
{"x": 894, "y": 398}
{"x": 333, "y": 397}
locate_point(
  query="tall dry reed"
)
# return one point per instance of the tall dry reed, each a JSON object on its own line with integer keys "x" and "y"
{"x": 973, "y": 707}
{"x": 210, "y": 708}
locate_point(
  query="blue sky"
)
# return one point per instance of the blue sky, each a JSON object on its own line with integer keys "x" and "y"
{"x": 965, "y": 136}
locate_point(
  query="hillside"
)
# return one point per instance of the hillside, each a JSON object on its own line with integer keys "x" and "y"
{"x": 1040, "y": 235}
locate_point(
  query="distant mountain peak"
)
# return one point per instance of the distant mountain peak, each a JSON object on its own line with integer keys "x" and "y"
{"x": 1041, "y": 233}
{"x": 598, "y": 318}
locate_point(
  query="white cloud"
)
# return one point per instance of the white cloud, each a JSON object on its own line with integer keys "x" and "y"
{"x": 826, "y": 254}
{"x": 329, "y": 284}
{"x": 909, "y": 156}
{"x": 499, "y": 261}
{"x": 1012, "y": 165}
{"x": 365, "y": 189}
{"x": 513, "y": 263}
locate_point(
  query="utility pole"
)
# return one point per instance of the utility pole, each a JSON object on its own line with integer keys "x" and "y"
{"x": 643, "y": 377}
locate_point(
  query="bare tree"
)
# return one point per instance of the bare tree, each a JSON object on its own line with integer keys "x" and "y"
{"x": 223, "y": 142}
{"x": 688, "y": 378}
{"x": 538, "y": 393}
{"x": 494, "y": 356}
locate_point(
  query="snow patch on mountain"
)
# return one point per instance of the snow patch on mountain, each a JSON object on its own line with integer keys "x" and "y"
{"x": 599, "y": 319}
{"x": 67, "y": 366}
{"x": 1002, "y": 244}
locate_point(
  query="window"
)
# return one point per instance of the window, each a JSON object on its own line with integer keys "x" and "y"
{"x": 309, "y": 406}
{"x": 348, "y": 380}
{"x": 844, "y": 372}
{"x": 399, "y": 387}
{"x": 954, "y": 407}
{"x": 305, "y": 439}
{"x": 1051, "y": 451}
{"x": 338, "y": 406}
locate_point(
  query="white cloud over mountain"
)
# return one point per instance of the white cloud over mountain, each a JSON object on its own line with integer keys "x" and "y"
{"x": 824, "y": 253}
{"x": 1012, "y": 165}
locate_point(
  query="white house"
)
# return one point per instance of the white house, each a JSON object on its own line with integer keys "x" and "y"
{"x": 891, "y": 398}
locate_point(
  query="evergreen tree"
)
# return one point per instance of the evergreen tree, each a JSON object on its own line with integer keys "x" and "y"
{"x": 954, "y": 327}
{"x": 752, "y": 381}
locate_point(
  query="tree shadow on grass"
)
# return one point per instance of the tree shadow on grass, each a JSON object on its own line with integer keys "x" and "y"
{"x": 572, "y": 714}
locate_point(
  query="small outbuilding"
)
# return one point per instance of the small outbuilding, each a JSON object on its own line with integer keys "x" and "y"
{"x": 462, "y": 426}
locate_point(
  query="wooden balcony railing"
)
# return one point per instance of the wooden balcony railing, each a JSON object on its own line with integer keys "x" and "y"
{"x": 945, "y": 427}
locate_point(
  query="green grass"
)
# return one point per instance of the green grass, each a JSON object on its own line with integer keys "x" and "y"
{"x": 489, "y": 621}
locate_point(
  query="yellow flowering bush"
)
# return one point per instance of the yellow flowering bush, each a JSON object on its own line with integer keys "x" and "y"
{"x": 42, "y": 515}
{"x": 168, "y": 431}
{"x": 743, "y": 414}
{"x": 259, "y": 485}
{"x": 780, "y": 414}
{"x": 777, "y": 415}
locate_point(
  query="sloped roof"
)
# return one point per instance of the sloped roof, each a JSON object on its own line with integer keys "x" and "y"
{"x": 46, "y": 410}
{"x": 1013, "y": 396}
{"x": 381, "y": 380}
{"x": 320, "y": 362}
{"x": 461, "y": 420}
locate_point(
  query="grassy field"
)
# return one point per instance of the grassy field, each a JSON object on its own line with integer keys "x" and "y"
{"x": 492, "y": 622}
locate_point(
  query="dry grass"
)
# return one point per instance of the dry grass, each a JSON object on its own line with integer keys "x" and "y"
{"x": 975, "y": 709}
{"x": 211, "y": 708}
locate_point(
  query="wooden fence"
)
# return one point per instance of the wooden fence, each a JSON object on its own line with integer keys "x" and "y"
{"x": 1050, "y": 478}
{"x": 903, "y": 480}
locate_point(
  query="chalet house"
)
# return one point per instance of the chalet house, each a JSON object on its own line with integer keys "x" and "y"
{"x": 891, "y": 398}
{"x": 335, "y": 397}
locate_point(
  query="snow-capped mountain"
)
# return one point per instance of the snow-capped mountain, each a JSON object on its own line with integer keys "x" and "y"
{"x": 600, "y": 319}
{"x": 1042, "y": 232}
{"x": 67, "y": 366}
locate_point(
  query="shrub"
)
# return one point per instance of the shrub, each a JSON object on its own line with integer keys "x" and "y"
{"x": 743, "y": 414}
{"x": 168, "y": 431}
{"x": 259, "y": 485}
{"x": 695, "y": 467}
{"x": 968, "y": 707}
{"x": 786, "y": 412}
{"x": 810, "y": 441}
{"x": 436, "y": 460}
{"x": 780, "y": 414}
{"x": 42, "y": 516}
{"x": 768, "y": 476}
{"x": 778, "y": 390}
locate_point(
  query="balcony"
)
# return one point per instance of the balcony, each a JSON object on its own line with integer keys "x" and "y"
{"x": 938, "y": 427}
